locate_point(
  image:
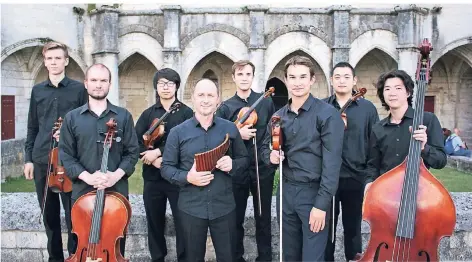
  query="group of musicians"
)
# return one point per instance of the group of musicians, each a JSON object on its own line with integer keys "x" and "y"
{"x": 329, "y": 159}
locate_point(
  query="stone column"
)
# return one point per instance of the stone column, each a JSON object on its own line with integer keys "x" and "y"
{"x": 341, "y": 36}
{"x": 171, "y": 51}
{"x": 257, "y": 45}
{"x": 410, "y": 19}
{"x": 105, "y": 42}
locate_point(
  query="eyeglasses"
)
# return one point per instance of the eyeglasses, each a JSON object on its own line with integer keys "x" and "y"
{"x": 169, "y": 84}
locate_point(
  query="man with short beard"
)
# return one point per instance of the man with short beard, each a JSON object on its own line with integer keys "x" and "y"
{"x": 81, "y": 141}
{"x": 156, "y": 189}
{"x": 50, "y": 100}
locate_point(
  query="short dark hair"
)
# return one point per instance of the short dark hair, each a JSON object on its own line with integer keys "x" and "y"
{"x": 98, "y": 65}
{"x": 341, "y": 65}
{"x": 300, "y": 60}
{"x": 407, "y": 82}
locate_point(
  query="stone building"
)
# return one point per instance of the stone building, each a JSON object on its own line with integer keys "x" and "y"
{"x": 134, "y": 42}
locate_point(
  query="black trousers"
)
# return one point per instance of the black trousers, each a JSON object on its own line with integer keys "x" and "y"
{"x": 263, "y": 222}
{"x": 350, "y": 195}
{"x": 52, "y": 215}
{"x": 155, "y": 197}
{"x": 299, "y": 243}
{"x": 122, "y": 240}
{"x": 223, "y": 235}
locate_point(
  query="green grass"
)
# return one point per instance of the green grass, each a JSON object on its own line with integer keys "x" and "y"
{"x": 453, "y": 180}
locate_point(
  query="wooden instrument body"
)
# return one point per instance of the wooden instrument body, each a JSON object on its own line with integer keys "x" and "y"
{"x": 251, "y": 120}
{"x": 57, "y": 179}
{"x": 155, "y": 135}
{"x": 277, "y": 139}
{"x": 435, "y": 217}
{"x": 115, "y": 221}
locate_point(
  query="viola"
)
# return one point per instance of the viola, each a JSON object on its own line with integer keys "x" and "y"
{"x": 247, "y": 115}
{"x": 56, "y": 177}
{"x": 408, "y": 209}
{"x": 360, "y": 93}
{"x": 100, "y": 219}
{"x": 156, "y": 130}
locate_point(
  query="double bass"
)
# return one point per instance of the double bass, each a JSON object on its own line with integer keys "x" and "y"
{"x": 56, "y": 177}
{"x": 356, "y": 96}
{"x": 156, "y": 130}
{"x": 408, "y": 209}
{"x": 100, "y": 219}
{"x": 247, "y": 116}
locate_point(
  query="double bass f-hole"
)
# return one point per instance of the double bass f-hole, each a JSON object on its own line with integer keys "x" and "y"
{"x": 403, "y": 206}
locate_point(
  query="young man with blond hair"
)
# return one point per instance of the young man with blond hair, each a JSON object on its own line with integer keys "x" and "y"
{"x": 50, "y": 100}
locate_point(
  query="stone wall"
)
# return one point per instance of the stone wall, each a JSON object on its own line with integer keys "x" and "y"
{"x": 23, "y": 237}
{"x": 13, "y": 158}
{"x": 461, "y": 163}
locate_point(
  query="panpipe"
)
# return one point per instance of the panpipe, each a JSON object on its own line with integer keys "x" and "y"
{"x": 206, "y": 161}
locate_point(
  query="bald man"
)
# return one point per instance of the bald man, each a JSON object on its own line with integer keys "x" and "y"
{"x": 205, "y": 198}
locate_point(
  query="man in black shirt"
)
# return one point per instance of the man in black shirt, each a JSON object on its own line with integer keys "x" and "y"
{"x": 390, "y": 138}
{"x": 243, "y": 75}
{"x": 312, "y": 145}
{"x": 50, "y": 100}
{"x": 361, "y": 116}
{"x": 205, "y": 198}
{"x": 156, "y": 189}
{"x": 81, "y": 141}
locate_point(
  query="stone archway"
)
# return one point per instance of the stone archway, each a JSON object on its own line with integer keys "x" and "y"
{"x": 280, "y": 97}
{"x": 318, "y": 89}
{"x": 368, "y": 70}
{"x": 136, "y": 88}
{"x": 217, "y": 67}
{"x": 451, "y": 88}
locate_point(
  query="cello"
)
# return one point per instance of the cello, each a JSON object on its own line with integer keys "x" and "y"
{"x": 56, "y": 177}
{"x": 408, "y": 209}
{"x": 356, "y": 96}
{"x": 100, "y": 219}
{"x": 156, "y": 130}
{"x": 247, "y": 116}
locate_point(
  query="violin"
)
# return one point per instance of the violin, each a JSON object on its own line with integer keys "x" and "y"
{"x": 247, "y": 115}
{"x": 156, "y": 130}
{"x": 276, "y": 132}
{"x": 361, "y": 92}
{"x": 408, "y": 209}
{"x": 56, "y": 177}
{"x": 100, "y": 219}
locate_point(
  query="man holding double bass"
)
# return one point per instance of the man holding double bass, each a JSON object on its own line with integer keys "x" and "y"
{"x": 81, "y": 143}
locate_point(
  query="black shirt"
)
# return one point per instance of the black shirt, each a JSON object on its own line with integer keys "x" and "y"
{"x": 47, "y": 104}
{"x": 361, "y": 116}
{"x": 189, "y": 138}
{"x": 144, "y": 122}
{"x": 312, "y": 144}
{"x": 81, "y": 146}
{"x": 230, "y": 109}
{"x": 389, "y": 144}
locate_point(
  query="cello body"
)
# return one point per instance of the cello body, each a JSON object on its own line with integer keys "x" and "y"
{"x": 435, "y": 217}
{"x": 115, "y": 221}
